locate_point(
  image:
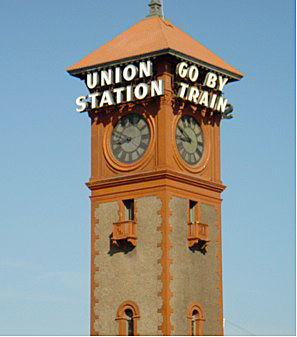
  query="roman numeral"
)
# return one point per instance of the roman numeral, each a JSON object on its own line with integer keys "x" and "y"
{"x": 199, "y": 152}
{"x": 117, "y": 150}
{"x": 180, "y": 146}
{"x": 123, "y": 156}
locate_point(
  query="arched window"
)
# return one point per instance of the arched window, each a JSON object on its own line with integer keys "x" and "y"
{"x": 195, "y": 317}
{"x": 127, "y": 316}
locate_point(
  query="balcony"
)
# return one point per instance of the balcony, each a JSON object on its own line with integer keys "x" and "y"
{"x": 198, "y": 233}
{"x": 124, "y": 230}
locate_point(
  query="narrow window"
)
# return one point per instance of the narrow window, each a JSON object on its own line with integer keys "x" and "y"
{"x": 194, "y": 322}
{"x": 129, "y": 209}
{"x": 195, "y": 318}
{"x": 127, "y": 317}
{"x": 192, "y": 211}
{"x": 130, "y": 322}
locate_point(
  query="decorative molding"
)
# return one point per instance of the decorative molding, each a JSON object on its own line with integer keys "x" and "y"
{"x": 141, "y": 177}
{"x": 192, "y": 307}
{"x": 114, "y": 164}
{"x": 219, "y": 270}
{"x": 83, "y": 71}
{"x": 165, "y": 277}
{"x": 94, "y": 269}
{"x": 121, "y": 319}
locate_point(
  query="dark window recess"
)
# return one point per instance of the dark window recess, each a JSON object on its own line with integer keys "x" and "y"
{"x": 130, "y": 322}
{"x": 194, "y": 322}
{"x": 129, "y": 209}
{"x": 192, "y": 211}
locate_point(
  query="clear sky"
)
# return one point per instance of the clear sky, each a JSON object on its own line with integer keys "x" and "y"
{"x": 45, "y": 158}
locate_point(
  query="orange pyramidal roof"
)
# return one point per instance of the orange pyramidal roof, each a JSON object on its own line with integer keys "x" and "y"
{"x": 153, "y": 36}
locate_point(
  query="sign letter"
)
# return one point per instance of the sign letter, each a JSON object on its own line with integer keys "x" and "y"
{"x": 193, "y": 73}
{"x": 182, "y": 69}
{"x": 182, "y": 90}
{"x": 79, "y": 101}
{"x": 211, "y": 80}
{"x": 145, "y": 69}
{"x": 92, "y": 80}
{"x": 130, "y": 72}
{"x": 141, "y": 91}
{"x": 157, "y": 88}
{"x": 222, "y": 82}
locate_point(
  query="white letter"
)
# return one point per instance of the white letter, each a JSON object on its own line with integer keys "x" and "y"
{"x": 92, "y": 80}
{"x": 213, "y": 100}
{"x": 79, "y": 102}
{"x": 222, "y": 82}
{"x": 193, "y": 95}
{"x": 145, "y": 69}
{"x": 129, "y": 93}
{"x": 193, "y": 73}
{"x": 106, "y": 98}
{"x": 157, "y": 88}
{"x": 106, "y": 77}
{"x": 118, "y": 75}
{"x": 181, "y": 69}
{"x": 182, "y": 90}
{"x": 93, "y": 99}
{"x": 141, "y": 91}
{"x": 221, "y": 104}
{"x": 130, "y": 72}
{"x": 203, "y": 100}
{"x": 210, "y": 80}
{"x": 119, "y": 94}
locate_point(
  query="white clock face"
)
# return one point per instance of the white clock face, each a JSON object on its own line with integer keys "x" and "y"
{"x": 130, "y": 138}
{"x": 189, "y": 139}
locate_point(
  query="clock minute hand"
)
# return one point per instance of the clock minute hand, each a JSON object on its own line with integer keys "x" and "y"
{"x": 187, "y": 138}
{"x": 182, "y": 138}
{"x": 118, "y": 134}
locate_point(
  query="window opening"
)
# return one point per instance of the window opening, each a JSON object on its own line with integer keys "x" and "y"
{"x": 194, "y": 322}
{"x": 130, "y": 322}
{"x": 192, "y": 210}
{"x": 129, "y": 209}
{"x": 127, "y": 317}
{"x": 195, "y": 317}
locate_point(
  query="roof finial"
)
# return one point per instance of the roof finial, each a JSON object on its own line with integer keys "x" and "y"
{"x": 155, "y": 9}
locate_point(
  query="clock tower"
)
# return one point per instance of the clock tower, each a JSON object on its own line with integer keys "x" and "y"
{"x": 155, "y": 103}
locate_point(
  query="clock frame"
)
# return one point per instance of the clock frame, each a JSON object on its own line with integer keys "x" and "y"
{"x": 189, "y": 139}
{"x": 130, "y": 139}
{"x": 203, "y": 161}
{"x": 113, "y": 162}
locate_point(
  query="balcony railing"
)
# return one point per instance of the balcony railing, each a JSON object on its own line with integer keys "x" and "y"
{"x": 198, "y": 233}
{"x": 124, "y": 230}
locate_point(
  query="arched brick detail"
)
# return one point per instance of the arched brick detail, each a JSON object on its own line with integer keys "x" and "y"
{"x": 192, "y": 307}
{"x": 122, "y": 319}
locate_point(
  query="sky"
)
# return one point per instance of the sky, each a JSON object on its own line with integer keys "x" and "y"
{"x": 45, "y": 158}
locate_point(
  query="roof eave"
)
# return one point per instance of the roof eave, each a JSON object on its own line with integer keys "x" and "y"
{"x": 233, "y": 76}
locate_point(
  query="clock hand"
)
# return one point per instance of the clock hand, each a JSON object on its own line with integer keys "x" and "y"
{"x": 118, "y": 134}
{"x": 183, "y": 139}
{"x": 187, "y": 138}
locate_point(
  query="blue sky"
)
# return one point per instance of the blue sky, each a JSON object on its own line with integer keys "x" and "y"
{"x": 45, "y": 158}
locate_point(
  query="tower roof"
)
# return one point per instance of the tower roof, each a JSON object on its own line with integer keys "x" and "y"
{"x": 150, "y": 37}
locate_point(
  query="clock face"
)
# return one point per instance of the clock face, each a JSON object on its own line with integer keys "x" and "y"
{"x": 130, "y": 138}
{"x": 189, "y": 139}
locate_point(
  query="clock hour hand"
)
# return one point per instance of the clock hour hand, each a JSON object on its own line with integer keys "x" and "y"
{"x": 186, "y": 137}
{"x": 123, "y": 137}
{"x": 183, "y": 139}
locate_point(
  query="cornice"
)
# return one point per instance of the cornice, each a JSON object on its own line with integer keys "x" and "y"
{"x": 156, "y": 175}
{"x": 81, "y": 72}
